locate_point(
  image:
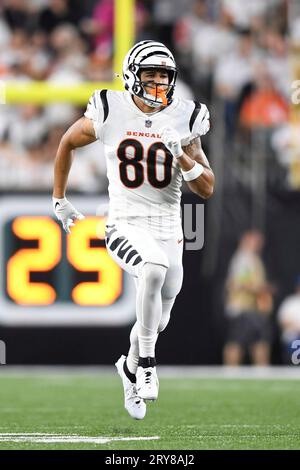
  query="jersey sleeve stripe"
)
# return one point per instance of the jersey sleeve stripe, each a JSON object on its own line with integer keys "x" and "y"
{"x": 103, "y": 96}
{"x": 205, "y": 115}
{"x": 194, "y": 114}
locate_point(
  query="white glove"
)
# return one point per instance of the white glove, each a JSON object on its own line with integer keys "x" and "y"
{"x": 65, "y": 212}
{"x": 171, "y": 140}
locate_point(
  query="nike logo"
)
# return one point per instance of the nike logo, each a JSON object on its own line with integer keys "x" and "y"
{"x": 57, "y": 204}
{"x": 179, "y": 241}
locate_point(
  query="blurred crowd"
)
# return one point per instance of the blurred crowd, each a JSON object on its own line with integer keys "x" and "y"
{"x": 233, "y": 51}
{"x": 61, "y": 41}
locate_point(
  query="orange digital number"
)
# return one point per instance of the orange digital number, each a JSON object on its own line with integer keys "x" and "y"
{"x": 85, "y": 258}
{"x": 43, "y": 258}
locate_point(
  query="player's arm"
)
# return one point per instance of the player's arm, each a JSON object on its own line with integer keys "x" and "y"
{"x": 81, "y": 133}
{"x": 203, "y": 185}
{"x": 193, "y": 163}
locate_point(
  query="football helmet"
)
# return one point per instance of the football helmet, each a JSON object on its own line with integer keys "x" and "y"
{"x": 144, "y": 55}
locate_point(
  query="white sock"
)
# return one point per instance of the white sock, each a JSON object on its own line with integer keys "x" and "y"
{"x": 133, "y": 353}
{"x": 149, "y": 307}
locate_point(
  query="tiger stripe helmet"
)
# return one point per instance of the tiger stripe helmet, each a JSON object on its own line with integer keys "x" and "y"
{"x": 145, "y": 55}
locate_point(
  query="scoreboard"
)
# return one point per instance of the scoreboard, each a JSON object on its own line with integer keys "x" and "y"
{"x": 50, "y": 278}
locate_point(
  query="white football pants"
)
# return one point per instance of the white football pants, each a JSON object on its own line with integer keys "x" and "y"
{"x": 157, "y": 268}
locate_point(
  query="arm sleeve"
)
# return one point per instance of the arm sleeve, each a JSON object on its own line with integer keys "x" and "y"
{"x": 95, "y": 112}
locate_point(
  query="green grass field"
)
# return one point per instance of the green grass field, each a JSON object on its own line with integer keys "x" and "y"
{"x": 189, "y": 414}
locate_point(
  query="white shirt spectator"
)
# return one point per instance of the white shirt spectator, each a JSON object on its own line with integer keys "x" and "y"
{"x": 168, "y": 11}
{"x": 233, "y": 72}
{"x": 4, "y": 34}
{"x": 59, "y": 114}
{"x": 285, "y": 142}
{"x": 209, "y": 43}
{"x": 28, "y": 129}
{"x": 295, "y": 31}
{"x": 243, "y": 11}
{"x": 280, "y": 71}
{"x": 289, "y": 317}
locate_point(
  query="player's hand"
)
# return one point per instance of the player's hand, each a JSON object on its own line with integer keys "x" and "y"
{"x": 171, "y": 140}
{"x": 66, "y": 213}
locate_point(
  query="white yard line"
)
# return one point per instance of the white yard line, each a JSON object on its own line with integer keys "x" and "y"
{"x": 213, "y": 372}
{"x": 50, "y": 438}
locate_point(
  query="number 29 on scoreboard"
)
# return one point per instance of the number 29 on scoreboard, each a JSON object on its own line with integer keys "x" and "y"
{"x": 32, "y": 269}
{"x": 43, "y": 268}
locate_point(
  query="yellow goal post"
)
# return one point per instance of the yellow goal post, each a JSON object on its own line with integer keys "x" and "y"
{"x": 43, "y": 92}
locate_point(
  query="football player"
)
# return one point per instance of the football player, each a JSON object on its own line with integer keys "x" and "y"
{"x": 152, "y": 142}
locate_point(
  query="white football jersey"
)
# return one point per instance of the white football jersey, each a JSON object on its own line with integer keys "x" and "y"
{"x": 144, "y": 178}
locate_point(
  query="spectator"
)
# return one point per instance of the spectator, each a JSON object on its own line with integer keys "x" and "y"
{"x": 245, "y": 14}
{"x": 38, "y": 59}
{"x": 16, "y": 14}
{"x": 233, "y": 72}
{"x": 29, "y": 128}
{"x": 248, "y": 304}
{"x": 201, "y": 43}
{"x": 69, "y": 60}
{"x": 4, "y": 33}
{"x": 15, "y": 54}
{"x": 285, "y": 142}
{"x": 289, "y": 322}
{"x": 278, "y": 61}
{"x": 165, "y": 14}
{"x": 195, "y": 19}
{"x": 55, "y": 14}
{"x": 265, "y": 107}
{"x": 100, "y": 28}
